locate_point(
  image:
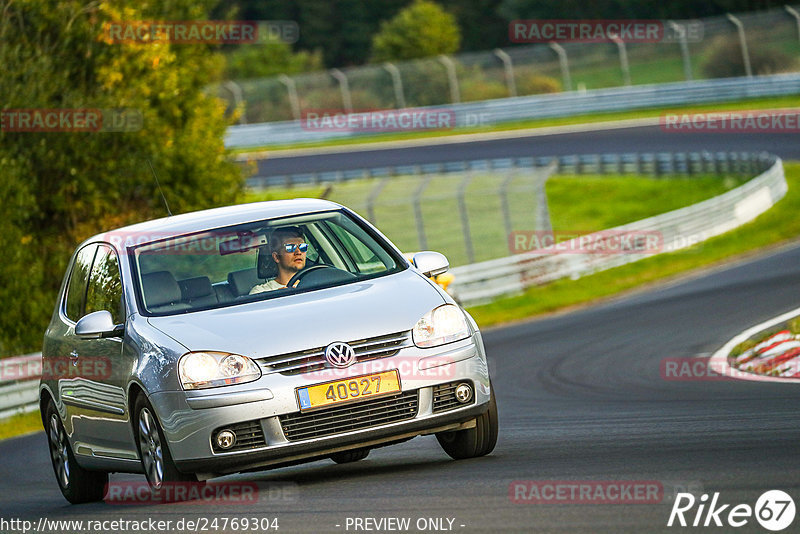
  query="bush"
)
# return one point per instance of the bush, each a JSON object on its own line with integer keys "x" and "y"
{"x": 534, "y": 84}
{"x": 725, "y": 59}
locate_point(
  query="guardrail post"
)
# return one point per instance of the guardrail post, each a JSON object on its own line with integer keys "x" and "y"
{"x": 687, "y": 60}
{"x": 341, "y": 77}
{"x": 397, "y": 83}
{"x": 742, "y": 43}
{"x": 623, "y": 59}
{"x": 793, "y": 12}
{"x": 417, "y": 200}
{"x": 291, "y": 88}
{"x": 462, "y": 210}
{"x": 563, "y": 62}
{"x": 450, "y": 67}
{"x": 508, "y": 67}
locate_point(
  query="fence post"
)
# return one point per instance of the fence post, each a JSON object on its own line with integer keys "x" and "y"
{"x": 508, "y": 67}
{"x": 563, "y": 63}
{"x": 743, "y": 43}
{"x": 373, "y": 196}
{"x": 543, "y": 223}
{"x": 623, "y": 59}
{"x": 417, "y": 199}
{"x": 503, "y": 194}
{"x": 793, "y": 12}
{"x": 397, "y": 83}
{"x": 341, "y": 77}
{"x": 462, "y": 210}
{"x": 450, "y": 67}
{"x": 236, "y": 92}
{"x": 680, "y": 30}
{"x": 291, "y": 88}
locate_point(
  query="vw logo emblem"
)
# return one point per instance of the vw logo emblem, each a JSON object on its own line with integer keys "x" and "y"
{"x": 340, "y": 354}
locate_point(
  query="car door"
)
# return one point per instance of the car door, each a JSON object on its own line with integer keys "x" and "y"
{"x": 101, "y": 419}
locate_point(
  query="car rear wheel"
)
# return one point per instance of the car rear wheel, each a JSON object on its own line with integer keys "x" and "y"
{"x": 153, "y": 449}
{"x": 347, "y": 457}
{"x": 78, "y": 485}
{"x": 473, "y": 442}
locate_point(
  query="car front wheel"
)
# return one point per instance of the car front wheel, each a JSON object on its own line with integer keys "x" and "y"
{"x": 78, "y": 485}
{"x": 473, "y": 442}
{"x": 153, "y": 449}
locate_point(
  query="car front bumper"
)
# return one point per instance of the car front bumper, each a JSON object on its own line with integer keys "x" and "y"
{"x": 190, "y": 419}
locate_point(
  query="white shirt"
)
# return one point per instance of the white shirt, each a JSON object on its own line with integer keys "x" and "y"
{"x": 269, "y": 285}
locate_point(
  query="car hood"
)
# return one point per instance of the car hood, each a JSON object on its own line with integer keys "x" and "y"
{"x": 310, "y": 320}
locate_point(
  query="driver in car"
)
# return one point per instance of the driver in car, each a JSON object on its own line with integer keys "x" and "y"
{"x": 288, "y": 249}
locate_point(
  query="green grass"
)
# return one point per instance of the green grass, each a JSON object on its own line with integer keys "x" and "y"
{"x": 760, "y": 103}
{"x": 17, "y": 425}
{"x": 576, "y": 203}
{"x": 778, "y": 225}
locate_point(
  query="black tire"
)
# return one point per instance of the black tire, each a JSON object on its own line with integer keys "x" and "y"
{"x": 473, "y": 442}
{"x": 153, "y": 449}
{"x": 78, "y": 485}
{"x": 347, "y": 457}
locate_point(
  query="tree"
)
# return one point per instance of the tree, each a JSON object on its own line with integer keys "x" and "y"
{"x": 59, "y": 188}
{"x": 422, "y": 29}
{"x": 250, "y": 61}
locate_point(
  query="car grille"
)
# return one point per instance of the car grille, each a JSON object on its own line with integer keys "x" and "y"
{"x": 366, "y": 414}
{"x": 444, "y": 397}
{"x": 249, "y": 435}
{"x": 294, "y": 363}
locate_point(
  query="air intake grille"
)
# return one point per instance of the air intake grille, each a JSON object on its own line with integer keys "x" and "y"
{"x": 367, "y": 414}
{"x": 248, "y": 436}
{"x": 294, "y": 363}
{"x": 444, "y": 397}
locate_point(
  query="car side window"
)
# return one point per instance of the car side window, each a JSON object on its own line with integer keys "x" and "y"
{"x": 105, "y": 285}
{"x": 76, "y": 289}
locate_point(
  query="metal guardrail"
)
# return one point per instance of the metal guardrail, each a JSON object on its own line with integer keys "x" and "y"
{"x": 19, "y": 384}
{"x": 546, "y": 106}
{"x": 677, "y": 229}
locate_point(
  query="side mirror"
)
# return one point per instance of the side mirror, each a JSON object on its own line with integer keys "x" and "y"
{"x": 97, "y": 325}
{"x": 431, "y": 263}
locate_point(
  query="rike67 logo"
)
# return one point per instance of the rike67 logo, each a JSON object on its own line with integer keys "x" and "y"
{"x": 774, "y": 510}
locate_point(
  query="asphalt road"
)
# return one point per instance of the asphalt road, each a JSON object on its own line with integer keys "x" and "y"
{"x": 581, "y": 397}
{"x": 639, "y": 139}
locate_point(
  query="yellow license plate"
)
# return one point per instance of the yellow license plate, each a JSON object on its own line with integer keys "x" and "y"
{"x": 348, "y": 390}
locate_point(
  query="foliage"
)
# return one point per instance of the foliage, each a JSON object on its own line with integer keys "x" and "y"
{"x": 725, "y": 59}
{"x": 422, "y": 29}
{"x": 260, "y": 61}
{"x": 529, "y": 83}
{"x": 62, "y": 187}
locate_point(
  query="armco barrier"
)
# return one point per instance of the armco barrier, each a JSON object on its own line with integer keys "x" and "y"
{"x": 678, "y": 229}
{"x": 19, "y": 384}
{"x": 548, "y": 105}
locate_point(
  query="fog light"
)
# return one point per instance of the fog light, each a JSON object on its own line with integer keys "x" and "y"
{"x": 226, "y": 439}
{"x": 463, "y": 393}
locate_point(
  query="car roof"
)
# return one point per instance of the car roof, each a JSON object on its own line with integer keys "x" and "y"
{"x": 198, "y": 221}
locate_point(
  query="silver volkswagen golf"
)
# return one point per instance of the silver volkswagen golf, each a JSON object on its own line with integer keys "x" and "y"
{"x": 249, "y": 337}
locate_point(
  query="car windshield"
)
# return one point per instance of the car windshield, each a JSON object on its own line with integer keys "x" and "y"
{"x": 254, "y": 261}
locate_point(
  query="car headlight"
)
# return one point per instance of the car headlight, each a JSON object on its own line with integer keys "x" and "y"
{"x": 199, "y": 370}
{"x": 441, "y": 325}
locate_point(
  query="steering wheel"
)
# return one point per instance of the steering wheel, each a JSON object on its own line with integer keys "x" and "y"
{"x": 299, "y": 275}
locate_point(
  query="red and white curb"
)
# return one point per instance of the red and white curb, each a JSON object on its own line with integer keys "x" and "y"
{"x": 776, "y": 346}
